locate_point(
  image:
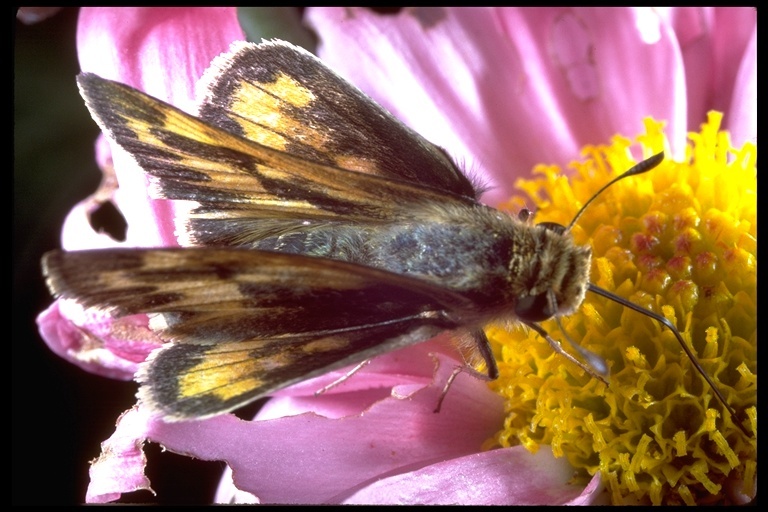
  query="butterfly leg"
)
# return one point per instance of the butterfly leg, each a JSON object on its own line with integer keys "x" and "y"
{"x": 478, "y": 336}
{"x": 557, "y": 348}
{"x": 343, "y": 378}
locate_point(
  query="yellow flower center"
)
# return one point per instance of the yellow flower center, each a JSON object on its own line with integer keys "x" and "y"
{"x": 680, "y": 240}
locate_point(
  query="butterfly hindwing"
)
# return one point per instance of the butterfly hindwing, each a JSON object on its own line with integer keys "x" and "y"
{"x": 241, "y": 293}
{"x": 244, "y": 323}
{"x": 194, "y": 381}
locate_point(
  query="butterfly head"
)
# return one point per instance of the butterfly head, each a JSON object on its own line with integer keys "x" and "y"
{"x": 557, "y": 278}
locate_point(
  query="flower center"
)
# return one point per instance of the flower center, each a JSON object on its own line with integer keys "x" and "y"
{"x": 680, "y": 240}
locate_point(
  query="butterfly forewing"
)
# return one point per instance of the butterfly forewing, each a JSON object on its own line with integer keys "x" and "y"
{"x": 245, "y": 190}
{"x": 284, "y": 97}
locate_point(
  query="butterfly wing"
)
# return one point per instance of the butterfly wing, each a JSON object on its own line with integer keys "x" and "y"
{"x": 284, "y": 97}
{"x": 284, "y": 153}
{"x": 245, "y": 323}
{"x": 284, "y": 145}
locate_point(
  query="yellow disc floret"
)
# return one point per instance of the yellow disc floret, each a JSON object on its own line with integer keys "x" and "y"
{"x": 680, "y": 240}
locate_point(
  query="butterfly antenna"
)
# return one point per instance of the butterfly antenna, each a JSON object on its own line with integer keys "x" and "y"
{"x": 644, "y": 166}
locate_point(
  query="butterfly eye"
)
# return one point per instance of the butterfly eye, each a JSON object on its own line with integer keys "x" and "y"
{"x": 535, "y": 308}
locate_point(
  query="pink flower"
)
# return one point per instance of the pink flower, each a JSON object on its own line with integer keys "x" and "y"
{"x": 502, "y": 90}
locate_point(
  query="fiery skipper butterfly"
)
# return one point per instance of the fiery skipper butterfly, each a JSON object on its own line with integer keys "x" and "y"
{"x": 324, "y": 232}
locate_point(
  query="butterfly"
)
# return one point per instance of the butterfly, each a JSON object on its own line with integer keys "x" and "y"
{"x": 323, "y": 232}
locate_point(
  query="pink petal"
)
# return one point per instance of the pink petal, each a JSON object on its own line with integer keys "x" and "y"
{"x": 228, "y": 494}
{"x": 741, "y": 118}
{"x": 505, "y": 89}
{"x": 78, "y": 232}
{"x": 95, "y": 341}
{"x": 311, "y": 459}
{"x": 713, "y": 42}
{"x": 164, "y": 52}
{"x": 407, "y": 370}
{"x": 414, "y": 364}
{"x": 120, "y": 467}
{"x": 511, "y": 476}
{"x": 592, "y": 73}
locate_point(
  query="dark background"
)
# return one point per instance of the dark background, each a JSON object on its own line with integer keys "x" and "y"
{"x": 61, "y": 413}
